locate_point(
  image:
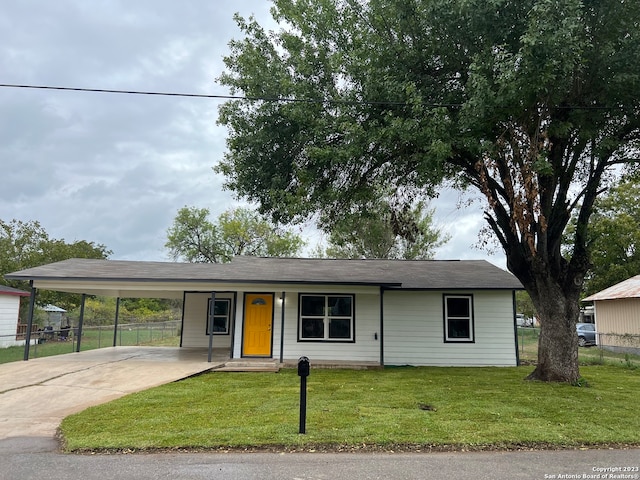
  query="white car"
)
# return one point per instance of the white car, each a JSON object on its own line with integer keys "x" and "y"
{"x": 523, "y": 321}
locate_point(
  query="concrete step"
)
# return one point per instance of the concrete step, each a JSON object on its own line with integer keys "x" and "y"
{"x": 249, "y": 366}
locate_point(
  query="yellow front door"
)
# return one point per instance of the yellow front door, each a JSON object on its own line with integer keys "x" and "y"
{"x": 258, "y": 318}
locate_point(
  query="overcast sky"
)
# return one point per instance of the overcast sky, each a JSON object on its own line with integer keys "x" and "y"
{"x": 114, "y": 169}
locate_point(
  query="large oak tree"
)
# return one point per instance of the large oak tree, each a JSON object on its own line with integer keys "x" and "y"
{"x": 530, "y": 102}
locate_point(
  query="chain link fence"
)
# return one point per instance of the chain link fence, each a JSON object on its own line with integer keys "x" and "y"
{"x": 621, "y": 343}
{"x": 50, "y": 341}
{"x": 608, "y": 348}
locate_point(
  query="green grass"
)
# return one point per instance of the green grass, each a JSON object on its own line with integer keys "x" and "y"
{"x": 528, "y": 351}
{"x": 471, "y": 408}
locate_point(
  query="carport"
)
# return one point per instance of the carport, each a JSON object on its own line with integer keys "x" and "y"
{"x": 121, "y": 279}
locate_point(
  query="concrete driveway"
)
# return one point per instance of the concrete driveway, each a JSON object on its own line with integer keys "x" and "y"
{"x": 37, "y": 394}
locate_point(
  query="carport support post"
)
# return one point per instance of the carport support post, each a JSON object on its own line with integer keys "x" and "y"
{"x": 212, "y": 307}
{"x": 115, "y": 329}
{"x": 382, "y": 326}
{"x": 32, "y": 303}
{"x": 80, "y": 321}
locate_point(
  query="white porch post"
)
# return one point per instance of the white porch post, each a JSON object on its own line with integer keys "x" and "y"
{"x": 282, "y": 327}
{"x": 210, "y": 326}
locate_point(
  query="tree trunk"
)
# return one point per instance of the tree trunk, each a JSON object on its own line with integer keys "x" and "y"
{"x": 558, "y": 312}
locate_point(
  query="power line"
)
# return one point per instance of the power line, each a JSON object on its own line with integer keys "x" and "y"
{"x": 202, "y": 95}
{"x": 272, "y": 99}
{"x": 104, "y": 90}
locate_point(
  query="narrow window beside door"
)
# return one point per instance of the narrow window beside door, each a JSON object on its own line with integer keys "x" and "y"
{"x": 221, "y": 316}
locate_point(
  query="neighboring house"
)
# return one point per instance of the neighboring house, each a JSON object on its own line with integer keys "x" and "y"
{"x": 617, "y": 315}
{"x": 9, "y": 312}
{"x": 388, "y": 312}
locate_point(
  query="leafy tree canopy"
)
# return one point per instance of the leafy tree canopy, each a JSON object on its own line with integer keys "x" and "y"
{"x": 27, "y": 244}
{"x": 524, "y": 305}
{"x": 530, "y": 102}
{"x": 101, "y": 311}
{"x": 194, "y": 238}
{"x": 386, "y": 232}
{"x": 614, "y": 233}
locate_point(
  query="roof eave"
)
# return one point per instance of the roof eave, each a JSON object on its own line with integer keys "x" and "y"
{"x": 187, "y": 281}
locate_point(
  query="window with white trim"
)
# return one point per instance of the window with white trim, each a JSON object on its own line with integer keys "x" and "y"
{"x": 326, "y": 318}
{"x": 221, "y": 316}
{"x": 458, "y": 318}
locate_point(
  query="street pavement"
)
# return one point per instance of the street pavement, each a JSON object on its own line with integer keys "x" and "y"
{"x": 24, "y": 462}
{"x": 36, "y": 395}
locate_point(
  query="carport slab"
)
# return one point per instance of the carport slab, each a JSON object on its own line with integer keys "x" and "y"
{"x": 36, "y": 395}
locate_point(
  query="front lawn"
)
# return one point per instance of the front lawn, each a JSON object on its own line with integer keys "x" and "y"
{"x": 391, "y": 408}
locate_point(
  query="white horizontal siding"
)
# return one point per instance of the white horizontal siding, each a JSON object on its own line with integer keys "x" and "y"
{"x": 194, "y": 329}
{"x": 413, "y": 327}
{"x": 9, "y": 308}
{"x": 414, "y": 330}
{"x": 366, "y": 347}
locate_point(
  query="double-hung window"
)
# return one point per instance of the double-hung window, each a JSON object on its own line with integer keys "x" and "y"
{"x": 326, "y": 318}
{"x": 221, "y": 316}
{"x": 458, "y": 318}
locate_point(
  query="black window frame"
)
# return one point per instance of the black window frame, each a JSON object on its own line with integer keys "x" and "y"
{"x": 227, "y": 317}
{"x": 327, "y": 318}
{"x": 469, "y": 317}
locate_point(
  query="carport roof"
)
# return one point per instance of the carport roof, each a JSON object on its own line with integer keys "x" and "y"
{"x": 404, "y": 274}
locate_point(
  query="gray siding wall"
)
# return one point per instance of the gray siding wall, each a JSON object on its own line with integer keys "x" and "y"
{"x": 414, "y": 330}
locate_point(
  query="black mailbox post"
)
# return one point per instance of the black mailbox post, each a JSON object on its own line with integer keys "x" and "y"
{"x": 303, "y": 367}
{"x": 303, "y": 373}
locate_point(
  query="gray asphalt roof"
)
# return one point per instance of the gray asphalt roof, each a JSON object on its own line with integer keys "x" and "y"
{"x": 406, "y": 274}
{"x": 4, "y": 290}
